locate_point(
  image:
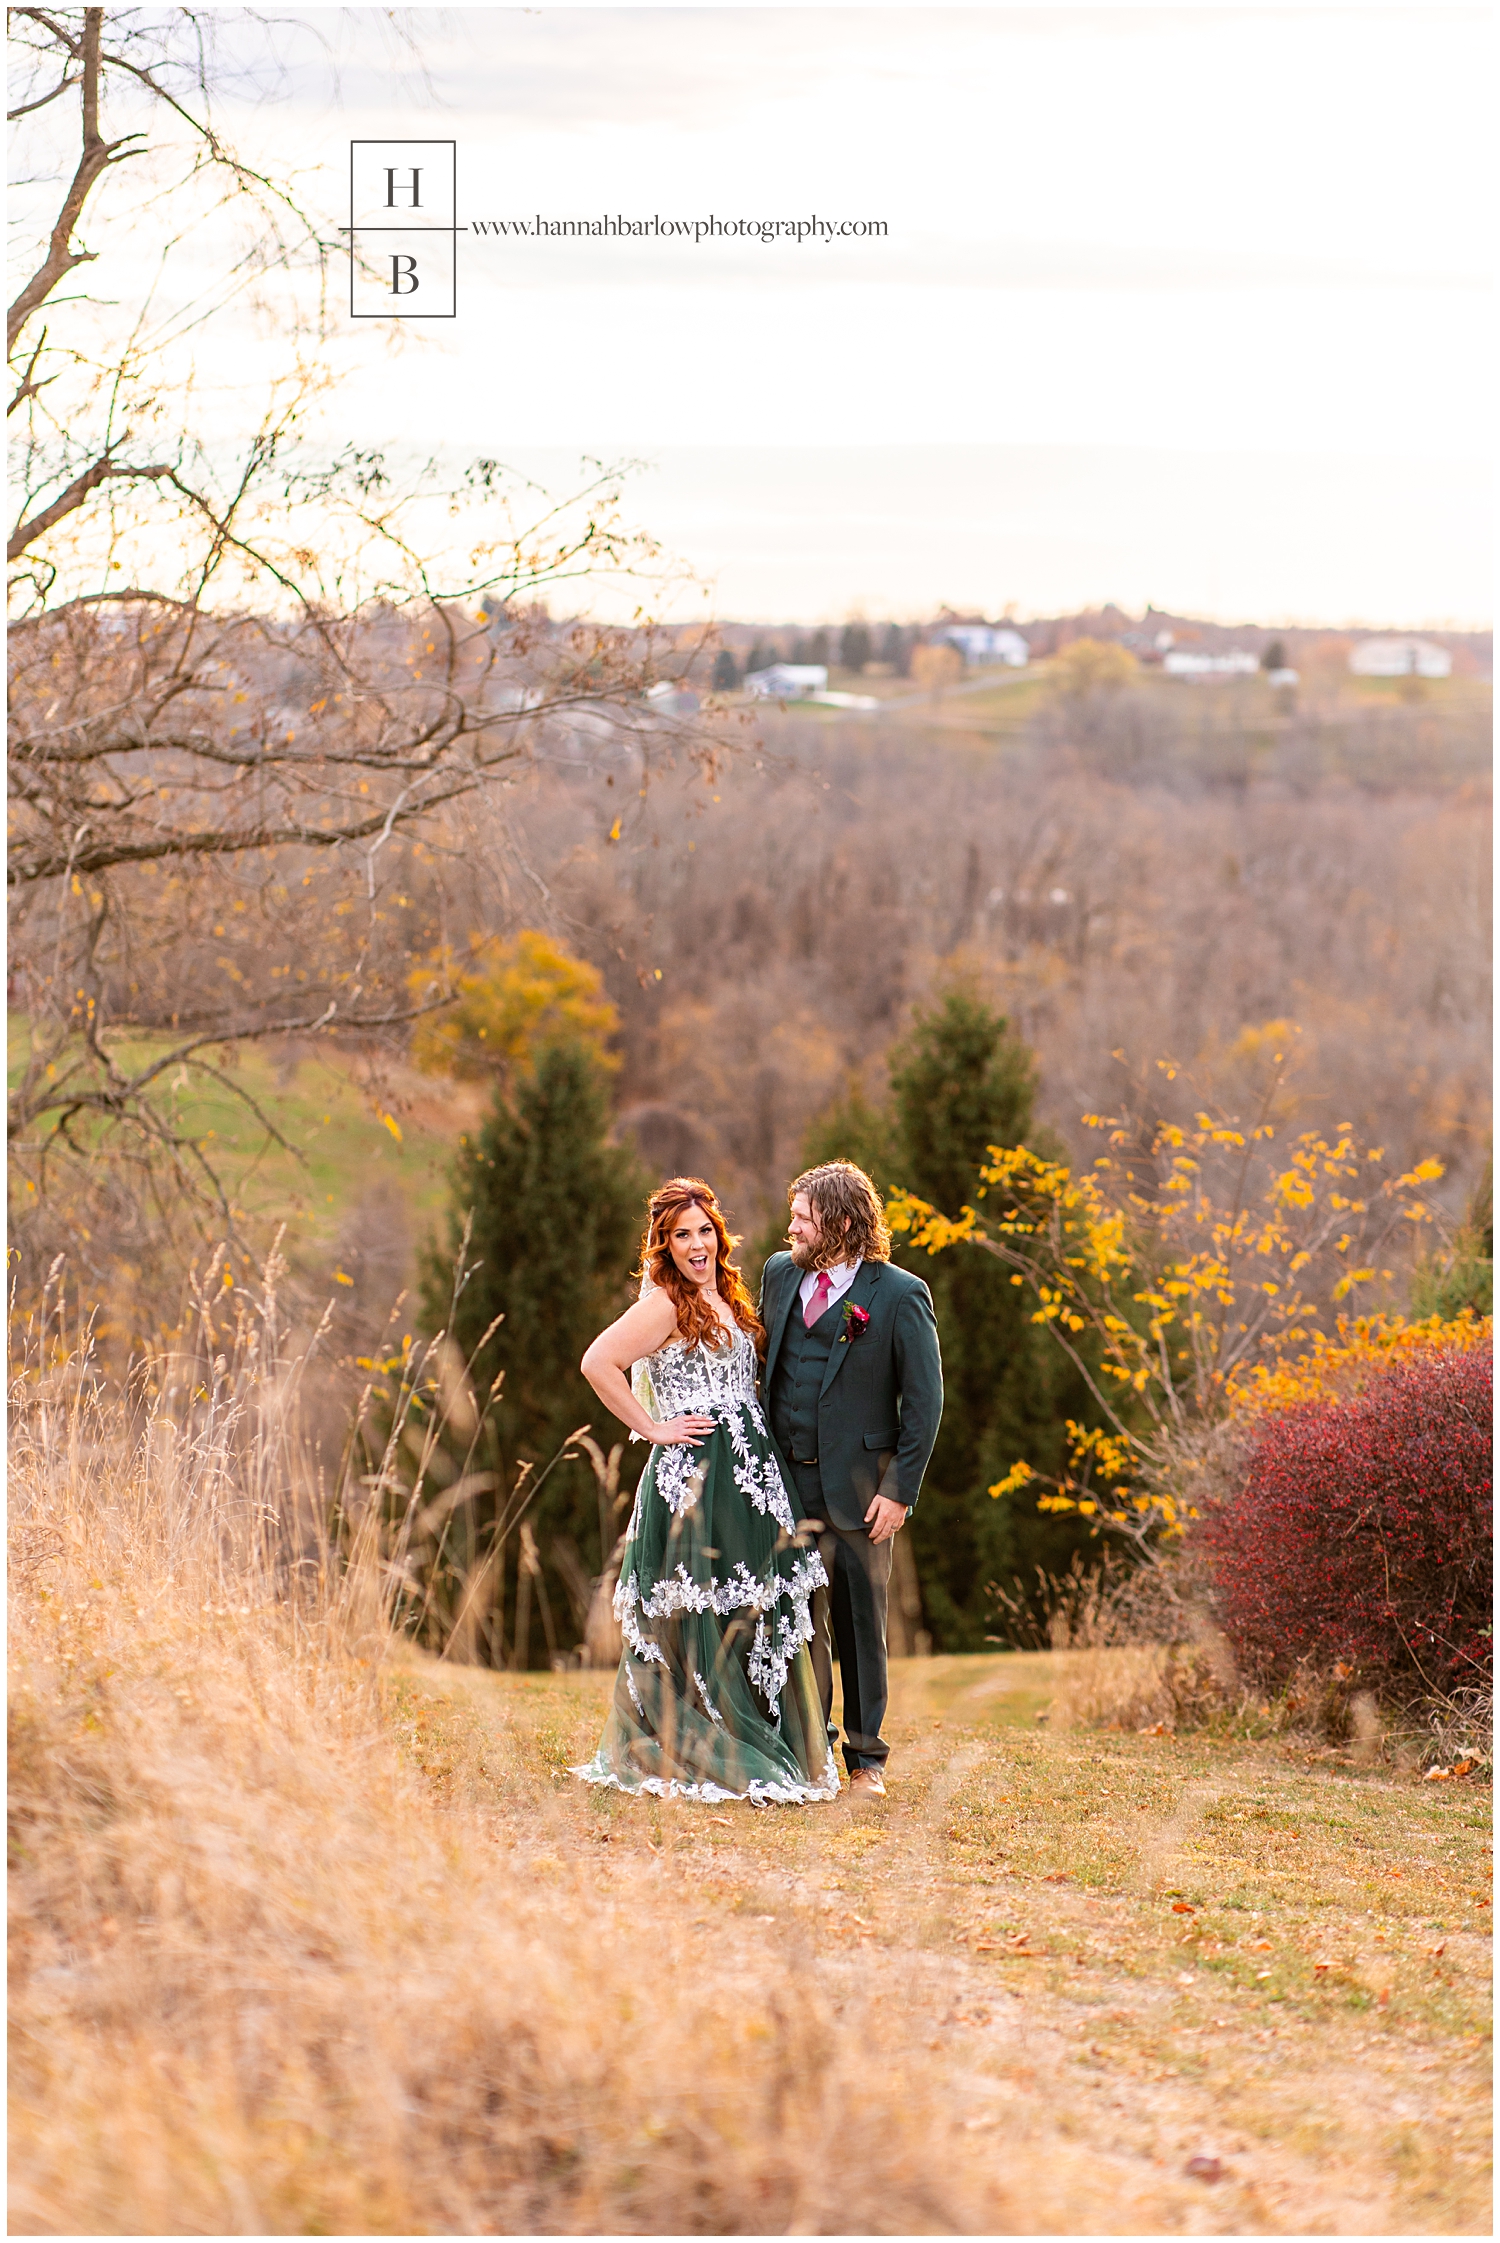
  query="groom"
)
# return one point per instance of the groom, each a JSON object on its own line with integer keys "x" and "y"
{"x": 854, "y": 1383}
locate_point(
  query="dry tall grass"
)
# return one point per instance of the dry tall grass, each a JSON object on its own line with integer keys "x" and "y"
{"x": 313, "y": 1937}
{"x": 1143, "y": 1648}
{"x": 264, "y": 1981}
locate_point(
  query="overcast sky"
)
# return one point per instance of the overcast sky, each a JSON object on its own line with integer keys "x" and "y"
{"x": 1178, "y": 304}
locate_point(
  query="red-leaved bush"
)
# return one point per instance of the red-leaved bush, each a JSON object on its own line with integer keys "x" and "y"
{"x": 1362, "y": 1531}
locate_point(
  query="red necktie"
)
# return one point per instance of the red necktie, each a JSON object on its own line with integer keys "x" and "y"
{"x": 819, "y": 1301}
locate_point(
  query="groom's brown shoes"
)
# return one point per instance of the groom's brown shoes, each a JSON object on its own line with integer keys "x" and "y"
{"x": 867, "y": 1783}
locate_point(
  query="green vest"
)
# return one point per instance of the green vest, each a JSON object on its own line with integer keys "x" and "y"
{"x": 798, "y": 1382}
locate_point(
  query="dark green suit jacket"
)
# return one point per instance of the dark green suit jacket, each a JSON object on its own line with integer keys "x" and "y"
{"x": 882, "y": 1394}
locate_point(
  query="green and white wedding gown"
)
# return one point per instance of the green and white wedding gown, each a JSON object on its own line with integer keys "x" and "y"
{"x": 715, "y": 1697}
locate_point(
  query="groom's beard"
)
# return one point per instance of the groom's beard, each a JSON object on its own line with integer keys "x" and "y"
{"x": 815, "y": 1257}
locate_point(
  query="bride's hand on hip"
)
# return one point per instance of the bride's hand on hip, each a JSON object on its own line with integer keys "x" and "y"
{"x": 690, "y": 1429}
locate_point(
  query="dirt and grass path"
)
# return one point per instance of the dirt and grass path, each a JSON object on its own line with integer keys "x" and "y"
{"x": 1117, "y": 1954}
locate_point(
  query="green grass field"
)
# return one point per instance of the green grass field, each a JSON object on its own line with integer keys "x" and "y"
{"x": 346, "y": 1138}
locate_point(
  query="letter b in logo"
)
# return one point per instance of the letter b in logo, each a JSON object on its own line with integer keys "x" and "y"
{"x": 403, "y": 229}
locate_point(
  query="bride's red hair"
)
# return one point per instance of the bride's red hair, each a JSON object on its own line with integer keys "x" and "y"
{"x": 696, "y": 1321}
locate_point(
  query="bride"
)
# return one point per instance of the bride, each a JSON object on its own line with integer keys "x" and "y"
{"x": 715, "y": 1697}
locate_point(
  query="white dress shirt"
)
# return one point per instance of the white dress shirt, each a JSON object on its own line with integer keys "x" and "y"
{"x": 841, "y": 1276}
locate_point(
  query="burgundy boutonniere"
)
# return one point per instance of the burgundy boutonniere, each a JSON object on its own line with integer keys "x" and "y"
{"x": 856, "y": 1320}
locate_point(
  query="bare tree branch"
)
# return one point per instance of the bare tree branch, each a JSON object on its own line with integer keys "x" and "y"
{"x": 97, "y": 153}
{"x": 27, "y": 107}
{"x": 67, "y": 502}
{"x": 238, "y": 791}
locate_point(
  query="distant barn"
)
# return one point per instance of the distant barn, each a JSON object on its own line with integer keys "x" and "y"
{"x": 1236, "y": 664}
{"x": 1400, "y": 658}
{"x": 984, "y": 644}
{"x": 788, "y": 681}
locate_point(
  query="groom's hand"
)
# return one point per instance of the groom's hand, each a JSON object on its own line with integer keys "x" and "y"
{"x": 885, "y": 1519}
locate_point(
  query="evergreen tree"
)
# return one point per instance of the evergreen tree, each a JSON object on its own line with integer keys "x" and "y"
{"x": 854, "y": 648}
{"x": 961, "y": 1082}
{"x": 853, "y": 1128}
{"x": 557, "y": 1214}
{"x": 725, "y": 676}
{"x": 856, "y": 1129}
{"x": 817, "y": 648}
{"x": 895, "y": 648}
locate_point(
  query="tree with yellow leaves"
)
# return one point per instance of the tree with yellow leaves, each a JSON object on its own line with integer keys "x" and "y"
{"x": 513, "y": 1000}
{"x": 1094, "y": 666}
{"x": 1173, "y": 1270}
{"x": 1338, "y": 1365}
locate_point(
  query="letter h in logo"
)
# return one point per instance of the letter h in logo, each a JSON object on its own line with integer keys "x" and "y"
{"x": 403, "y": 229}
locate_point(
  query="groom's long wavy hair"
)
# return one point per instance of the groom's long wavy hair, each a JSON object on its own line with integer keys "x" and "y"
{"x": 849, "y": 1213}
{"x": 696, "y": 1321}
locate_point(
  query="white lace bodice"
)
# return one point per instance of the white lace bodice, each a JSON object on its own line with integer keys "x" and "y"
{"x": 713, "y": 1382}
{"x": 702, "y": 1378}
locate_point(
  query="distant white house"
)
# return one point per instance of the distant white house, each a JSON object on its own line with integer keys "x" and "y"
{"x": 670, "y": 698}
{"x": 788, "y": 681}
{"x": 1400, "y": 658}
{"x": 984, "y": 644}
{"x": 1236, "y": 664}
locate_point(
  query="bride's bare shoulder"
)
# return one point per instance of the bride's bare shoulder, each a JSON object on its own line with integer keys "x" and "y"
{"x": 643, "y": 1330}
{"x": 651, "y": 1323}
